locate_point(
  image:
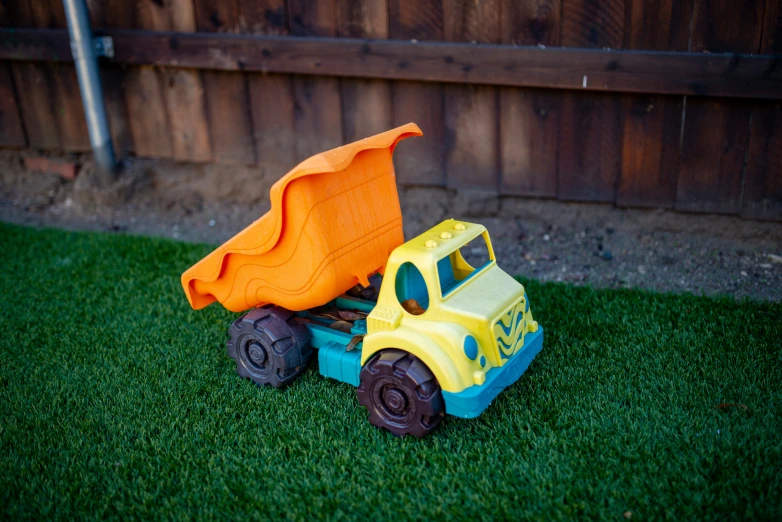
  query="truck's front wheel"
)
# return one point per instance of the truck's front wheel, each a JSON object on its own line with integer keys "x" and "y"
{"x": 269, "y": 346}
{"x": 401, "y": 394}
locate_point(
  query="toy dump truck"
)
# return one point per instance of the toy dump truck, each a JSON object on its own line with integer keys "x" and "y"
{"x": 422, "y": 328}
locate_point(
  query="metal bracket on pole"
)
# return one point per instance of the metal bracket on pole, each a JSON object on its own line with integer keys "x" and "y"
{"x": 104, "y": 46}
{"x": 101, "y": 46}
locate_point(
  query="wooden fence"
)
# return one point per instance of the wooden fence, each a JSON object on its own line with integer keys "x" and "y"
{"x": 624, "y": 101}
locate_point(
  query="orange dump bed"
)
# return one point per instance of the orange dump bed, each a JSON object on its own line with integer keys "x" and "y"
{"x": 334, "y": 220}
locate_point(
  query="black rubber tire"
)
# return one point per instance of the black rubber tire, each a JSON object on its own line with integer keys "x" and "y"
{"x": 401, "y": 394}
{"x": 269, "y": 346}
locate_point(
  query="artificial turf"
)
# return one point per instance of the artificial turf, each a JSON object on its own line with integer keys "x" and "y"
{"x": 119, "y": 401}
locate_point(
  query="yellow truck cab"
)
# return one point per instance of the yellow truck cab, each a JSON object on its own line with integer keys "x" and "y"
{"x": 421, "y": 328}
{"x": 471, "y": 325}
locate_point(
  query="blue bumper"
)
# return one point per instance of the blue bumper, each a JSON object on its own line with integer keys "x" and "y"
{"x": 471, "y": 402}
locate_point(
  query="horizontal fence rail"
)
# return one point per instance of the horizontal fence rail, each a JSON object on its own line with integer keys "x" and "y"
{"x": 656, "y": 72}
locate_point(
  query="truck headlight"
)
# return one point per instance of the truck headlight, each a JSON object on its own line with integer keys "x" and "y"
{"x": 470, "y": 347}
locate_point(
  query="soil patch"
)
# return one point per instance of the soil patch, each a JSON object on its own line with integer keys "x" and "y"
{"x": 583, "y": 244}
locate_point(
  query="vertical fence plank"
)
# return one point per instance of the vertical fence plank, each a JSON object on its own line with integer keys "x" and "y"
{"x": 529, "y": 118}
{"x": 230, "y": 124}
{"x": 318, "y": 100}
{"x": 590, "y": 133}
{"x": 114, "y": 14}
{"x": 589, "y": 147}
{"x": 471, "y": 111}
{"x": 11, "y": 130}
{"x": 35, "y": 100}
{"x": 772, "y": 28}
{"x": 366, "y": 104}
{"x": 763, "y": 180}
{"x": 716, "y": 132}
{"x": 167, "y": 105}
{"x": 651, "y": 152}
{"x": 762, "y": 195}
{"x": 66, "y": 98}
{"x": 271, "y": 95}
{"x": 68, "y": 109}
{"x": 113, "y": 82}
{"x": 727, "y": 25}
{"x": 423, "y": 159}
{"x": 662, "y": 25}
{"x": 183, "y": 90}
{"x": 33, "y": 90}
{"x": 713, "y": 151}
{"x": 148, "y": 116}
{"x": 143, "y": 88}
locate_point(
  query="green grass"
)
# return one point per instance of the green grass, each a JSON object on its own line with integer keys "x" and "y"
{"x": 117, "y": 400}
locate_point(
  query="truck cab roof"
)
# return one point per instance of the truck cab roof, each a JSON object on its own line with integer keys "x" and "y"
{"x": 438, "y": 242}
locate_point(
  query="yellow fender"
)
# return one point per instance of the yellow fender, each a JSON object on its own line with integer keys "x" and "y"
{"x": 437, "y": 358}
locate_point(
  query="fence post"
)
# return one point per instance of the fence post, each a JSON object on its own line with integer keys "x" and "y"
{"x": 83, "y": 49}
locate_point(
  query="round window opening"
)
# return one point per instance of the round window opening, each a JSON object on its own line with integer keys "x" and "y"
{"x": 411, "y": 289}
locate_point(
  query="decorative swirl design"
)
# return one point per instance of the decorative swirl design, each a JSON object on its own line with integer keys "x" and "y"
{"x": 509, "y": 330}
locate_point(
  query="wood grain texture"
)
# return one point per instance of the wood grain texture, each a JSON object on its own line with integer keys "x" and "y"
{"x": 111, "y": 14}
{"x": 68, "y": 109}
{"x": 145, "y": 100}
{"x": 366, "y": 104}
{"x": 114, "y": 14}
{"x": 64, "y": 86}
{"x": 472, "y": 159}
{"x": 713, "y": 151}
{"x": 529, "y": 133}
{"x": 648, "y": 72}
{"x": 263, "y": 17}
{"x": 589, "y": 147}
{"x": 662, "y": 25}
{"x": 762, "y": 196}
{"x": 531, "y": 22}
{"x": 35, "y": 99}
{"x": 33, "y": 85}
{"x": 113, "y": 83}
{"x": 317, "y": 100}
{"x": 421, "y": 161}
{"x": 727, "y": 26}
{"x": 12, "y": 132}
{"x": 472, "y": 111}
{"x": 217, "y": 16}
{"x": 772, "y": 28}
{"x": 183, "y": 91}
{"x": 590, "y": 141}
{"x": 230, "y": 124}
{"x": 147, "y": 112}
{"x": 716, "y": 132}
{"x": 529, "y": 118}
{"x": 650, "y": 151}
{"x": 274, "y": 120}
{"x": 652, "y": 125}
{"x": 271, "y": 95}
{"x": 11, "y": 129}
{"x": 187, "y": 116}
{"x": 593, "y": 23}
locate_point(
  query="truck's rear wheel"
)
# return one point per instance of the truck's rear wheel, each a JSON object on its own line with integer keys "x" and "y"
{"x": 401, "y": 394}
{"x": 269, "y": 346}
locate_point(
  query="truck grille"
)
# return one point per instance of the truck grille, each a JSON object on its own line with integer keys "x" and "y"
{"x": 509, "y": 329}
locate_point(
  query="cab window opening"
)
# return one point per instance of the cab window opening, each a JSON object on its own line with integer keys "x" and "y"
{"x": 456, "y": 268}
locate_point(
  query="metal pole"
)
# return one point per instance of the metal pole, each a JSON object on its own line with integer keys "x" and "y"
{"x": 84, "y": 56}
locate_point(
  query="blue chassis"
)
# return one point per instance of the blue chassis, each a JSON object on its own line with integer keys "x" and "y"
{"x": 336, "y": 362}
